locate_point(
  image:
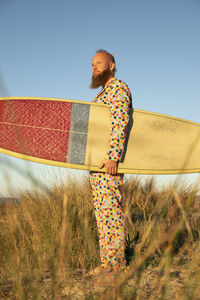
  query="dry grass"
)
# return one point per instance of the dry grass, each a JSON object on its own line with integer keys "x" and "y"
{"x": 48, "y": 241}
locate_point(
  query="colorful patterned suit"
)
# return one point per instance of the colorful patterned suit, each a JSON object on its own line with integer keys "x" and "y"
{"x": 106, "y": 192}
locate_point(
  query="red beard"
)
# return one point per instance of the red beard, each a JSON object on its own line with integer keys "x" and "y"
{"x": 100, "y": 79}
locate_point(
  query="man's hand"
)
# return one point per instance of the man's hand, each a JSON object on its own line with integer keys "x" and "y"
{"x": 110, "y": 165}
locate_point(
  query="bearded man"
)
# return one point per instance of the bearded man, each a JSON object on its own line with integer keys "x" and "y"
{"x": 105, "y": 186}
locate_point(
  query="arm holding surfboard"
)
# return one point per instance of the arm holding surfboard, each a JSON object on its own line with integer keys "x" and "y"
{"x": 119, "y": 105}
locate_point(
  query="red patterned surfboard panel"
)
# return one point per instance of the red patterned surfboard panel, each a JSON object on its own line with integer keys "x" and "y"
{"x": 38, "y": 128}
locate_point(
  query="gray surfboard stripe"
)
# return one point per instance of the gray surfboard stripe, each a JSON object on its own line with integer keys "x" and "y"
{"x": 78, "y": 133}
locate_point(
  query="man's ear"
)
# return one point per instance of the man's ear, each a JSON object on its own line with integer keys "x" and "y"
{"x": 112, "y": 66}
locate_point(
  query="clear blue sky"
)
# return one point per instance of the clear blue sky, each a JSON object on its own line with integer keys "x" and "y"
{"x": 47, "y": 47}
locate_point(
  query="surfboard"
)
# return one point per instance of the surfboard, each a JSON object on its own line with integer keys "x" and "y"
{"x": 75, "y": 134}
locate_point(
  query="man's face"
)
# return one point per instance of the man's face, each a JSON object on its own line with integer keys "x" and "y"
{"x": 101, "y": 70}
{"x": 100, "y": 63}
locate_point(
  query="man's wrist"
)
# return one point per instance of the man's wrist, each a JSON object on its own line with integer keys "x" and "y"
{"x": 113, "y": 158}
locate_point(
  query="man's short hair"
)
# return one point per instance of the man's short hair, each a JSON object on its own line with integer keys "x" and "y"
{"x": 110, "y": 56}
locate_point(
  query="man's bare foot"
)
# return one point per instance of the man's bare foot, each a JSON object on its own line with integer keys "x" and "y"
{"x": 103, "y": 280}
{"x": 95, "y": 272}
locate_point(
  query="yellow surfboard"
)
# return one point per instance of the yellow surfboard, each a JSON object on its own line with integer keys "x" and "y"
{"x": 75, "y": 134}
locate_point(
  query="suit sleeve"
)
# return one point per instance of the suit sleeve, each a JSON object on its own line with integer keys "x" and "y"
{"x": 119, "y": 105}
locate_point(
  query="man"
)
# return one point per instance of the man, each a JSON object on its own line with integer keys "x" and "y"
{"x": 105, "y": 186}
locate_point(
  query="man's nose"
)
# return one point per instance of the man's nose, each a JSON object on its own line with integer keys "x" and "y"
{"x": 94, "y": 69}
